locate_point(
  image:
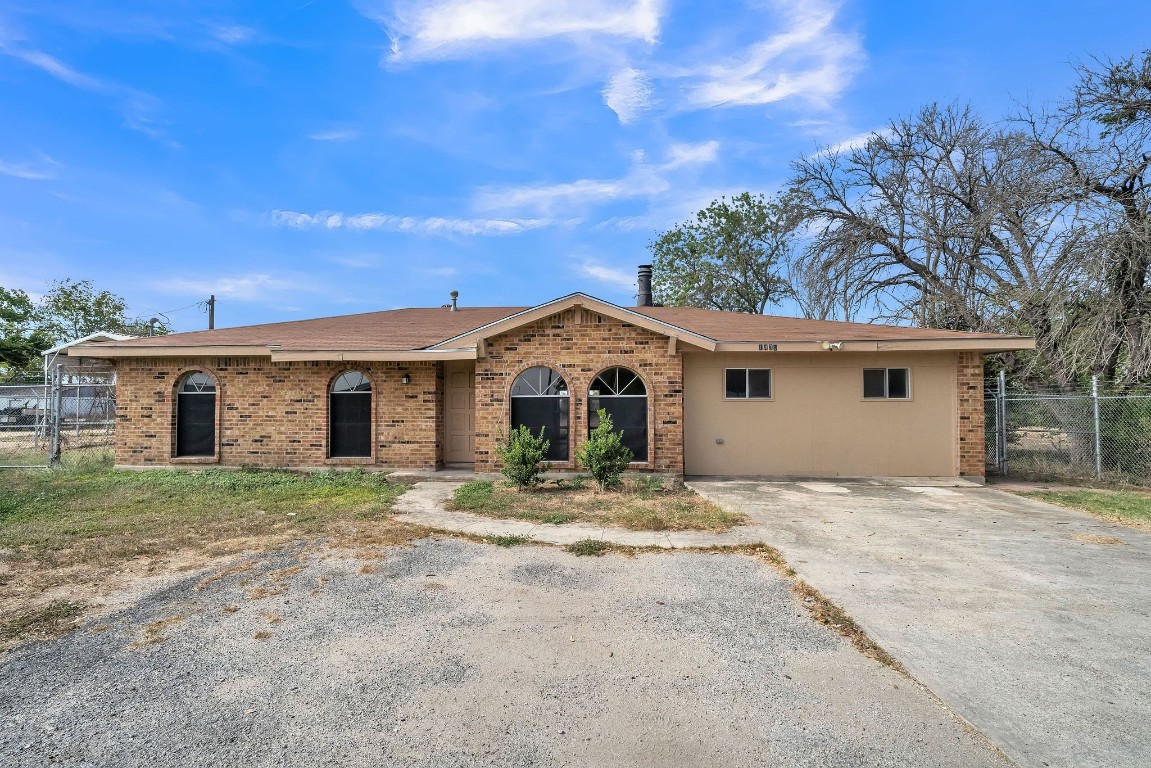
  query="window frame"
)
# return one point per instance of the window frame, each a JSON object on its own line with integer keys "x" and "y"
{"x": 365, "y": 377}
{"x": 886, "y": 384}
{"x": 564, "y": 393}
{"x": 648, "y": 459}
{"x": 747, "y": 385}
{"x": 182, "y": 378}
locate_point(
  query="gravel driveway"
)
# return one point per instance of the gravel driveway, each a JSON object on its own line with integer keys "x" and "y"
{"x": 452, "y": 653}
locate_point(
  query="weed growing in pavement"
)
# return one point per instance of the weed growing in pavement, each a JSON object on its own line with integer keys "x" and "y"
{"x": 508, "y": 541}
{"x": 588, "y": 547}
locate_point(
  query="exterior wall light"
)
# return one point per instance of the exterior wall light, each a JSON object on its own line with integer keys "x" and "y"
{"x": 406, "y": 378}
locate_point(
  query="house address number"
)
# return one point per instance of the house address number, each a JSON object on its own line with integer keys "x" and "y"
{"x": 768, "y": 347}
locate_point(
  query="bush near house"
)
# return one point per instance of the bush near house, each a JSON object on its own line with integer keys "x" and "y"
{"x": 522, "y": 455}
{"x": 604, "y": 455}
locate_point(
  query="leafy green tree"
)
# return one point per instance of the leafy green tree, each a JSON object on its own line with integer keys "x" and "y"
{"x": 74, "y": 308}
{"x": 729, "y": 257}
{"x": 20, "y": 340}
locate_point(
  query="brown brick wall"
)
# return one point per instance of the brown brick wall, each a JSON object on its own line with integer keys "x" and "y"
{"x": 579, "y": 344}
{"x": 970, "y": 451}
{"x": 276, "y": 414}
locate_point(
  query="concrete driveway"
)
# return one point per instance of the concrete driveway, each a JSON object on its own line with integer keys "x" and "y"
{"x": 1032, "y": 621}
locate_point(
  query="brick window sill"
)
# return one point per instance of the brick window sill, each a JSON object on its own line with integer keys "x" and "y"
{"x": 195, "y": 460}
{"x": 350, "y": 461}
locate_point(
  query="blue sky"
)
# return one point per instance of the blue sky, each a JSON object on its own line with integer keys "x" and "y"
{"x": 301, "y": 158}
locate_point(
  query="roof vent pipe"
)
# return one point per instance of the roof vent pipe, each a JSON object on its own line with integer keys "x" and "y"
{"x": 643, "y": 294}
{"x": 455, "y": 295}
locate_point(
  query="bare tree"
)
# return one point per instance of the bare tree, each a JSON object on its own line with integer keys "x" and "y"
{"x": 945, "y": 220}
{"x": 1100, "y": 140}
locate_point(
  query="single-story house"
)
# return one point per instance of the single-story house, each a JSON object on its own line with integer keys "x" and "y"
{"x": 695, "y": 391}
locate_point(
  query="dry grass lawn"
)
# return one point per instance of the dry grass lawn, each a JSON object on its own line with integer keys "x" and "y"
{"x": 640, "y": 505}
{"x": 70, "y": 536}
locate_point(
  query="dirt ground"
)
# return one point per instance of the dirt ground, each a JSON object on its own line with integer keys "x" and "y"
{"x": 456, "y": 653}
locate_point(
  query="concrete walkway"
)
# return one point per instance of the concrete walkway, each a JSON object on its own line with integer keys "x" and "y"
{"x": 424, "y": 505}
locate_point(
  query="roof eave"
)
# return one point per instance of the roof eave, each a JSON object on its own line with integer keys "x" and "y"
{"x": 274, "y": 353}
{"x": 978, "y": 344}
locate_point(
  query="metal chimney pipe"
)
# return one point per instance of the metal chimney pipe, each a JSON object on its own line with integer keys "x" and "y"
{"x": 455, "y": 295}
{"x": 643, "y": 292}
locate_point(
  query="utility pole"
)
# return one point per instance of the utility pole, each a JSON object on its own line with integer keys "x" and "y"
{"x": 212, "y": 312}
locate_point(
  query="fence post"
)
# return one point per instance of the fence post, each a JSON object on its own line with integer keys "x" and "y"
{"x": 1098, "y": 452}
{"x": 1001, "y": 422}
{"x": 54, "y": 417}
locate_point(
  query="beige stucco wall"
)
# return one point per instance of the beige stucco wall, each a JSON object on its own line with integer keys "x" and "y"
{"x": 818, "y": 423}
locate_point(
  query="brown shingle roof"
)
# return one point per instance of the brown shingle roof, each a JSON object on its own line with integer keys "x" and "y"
{"x": 734, "y": 326}
{"x": 388, "y": 330}
{"x": 419, "y": 328}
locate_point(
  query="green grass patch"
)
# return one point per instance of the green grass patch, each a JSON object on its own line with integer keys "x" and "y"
{"x": 641, "y": 504}
{"x": 117, "y": 514}
{"x": 508, "y": 541}
{"x": 588, "y": 548}
{"x": 1116, "y": 505}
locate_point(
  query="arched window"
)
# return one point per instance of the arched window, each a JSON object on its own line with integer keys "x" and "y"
{"x": 350, "y": 416}
{"x": 623, "y": 395}
{"x": 196, "y": 415}
{"x": 540, "y": 399}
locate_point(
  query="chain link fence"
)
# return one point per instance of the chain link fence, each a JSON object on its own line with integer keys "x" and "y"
{"x": 39, "y": 422}
{"x": 24, "y": 439}
{"x": 1075, "y": 436}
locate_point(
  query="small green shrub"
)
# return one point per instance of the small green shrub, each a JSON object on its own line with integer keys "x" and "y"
{"x": 522, "y": 455}
{"x": 588, "y": 547}
{"x": 646, "y": 487}
{"x": 604, "y": 455}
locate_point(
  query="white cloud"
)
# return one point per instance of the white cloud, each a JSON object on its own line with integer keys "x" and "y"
{"x": 857, "y": 141}
{"x": 643, "y": 180}
{"x": 345, "y": 135}
{"x": 27, "y": 171}
{"x": 616, "y": 278}
{"x": 250, "y": 287}
{"x": 628, "y": 94}
{"x": 232, "y": 34}
{"x": 138, "y": 107}
{"x": 433, "y": 225}
{"x": 810, "y": 59}
{"x": 54, "y": 67}
{"x": 691, "y": 154}
{"x": 446, "y": 29}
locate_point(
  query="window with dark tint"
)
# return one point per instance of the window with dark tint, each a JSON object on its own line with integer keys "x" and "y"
{"x": 623, "y": 395}
{"x": 350, "y": 416}
{"x": 886, "y": 383}
{"x": 897, "y": 384}
{"x": 874, "y": 382}
{"x": 540, "y": 400}
{"x": 196, "y": 415}
{"x": 747, "y": 383}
